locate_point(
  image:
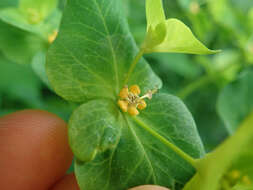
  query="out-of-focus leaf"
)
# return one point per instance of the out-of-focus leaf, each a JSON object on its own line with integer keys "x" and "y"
{"x": 18, "y": 45}
{"x": 223, "y": 13}
{"x": 19, "y": 82}
{"x": 37, "y": 10}
{"x": 136, "y": 19}
{"x": 228, "y": 64}
{"x": 183, "y": 65}
{"x": 202, "y": 105}
{"x": 235, "y": 101}
{"x": 8, "y": 3}
{"x": 244, "y": 5}
{"x": 39, "y": 66}
{"x": 44, "y": 28}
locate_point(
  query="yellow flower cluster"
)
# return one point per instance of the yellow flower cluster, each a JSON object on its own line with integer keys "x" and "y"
{"x": 130, "y": 101}
{"x": 234, "y": 177}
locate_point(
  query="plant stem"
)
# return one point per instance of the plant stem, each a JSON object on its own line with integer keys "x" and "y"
{"x": 177, "y": 150}
{"x": 189, "y": 89}
{"x": 214, "y": 165}
{"x": 134, "y": 63}
{"x": 186, "y": 91}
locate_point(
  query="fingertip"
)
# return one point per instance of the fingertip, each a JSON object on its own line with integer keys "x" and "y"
{"x": 35, "y": 148}
{"x": 149, "y": 187}
{"x": 68, "y": 182}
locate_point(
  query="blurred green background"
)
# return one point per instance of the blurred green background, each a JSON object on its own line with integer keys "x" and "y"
{"x": 25, "y": 37}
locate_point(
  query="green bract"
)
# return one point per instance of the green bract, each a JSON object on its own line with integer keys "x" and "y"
{"x": 169, "y": 35}
{"x": 92, "y": 59}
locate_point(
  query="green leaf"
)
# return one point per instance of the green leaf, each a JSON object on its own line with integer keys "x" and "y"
{"x": 169, "y": 35}
{"x": 154, "y": 12}
{"x": 19, "y": 46}
{"x": 142, "y": 150}
{"x": 235, "y": 101}
{"x": 8, "y": 3}
{"x": 19, "y": 83}
{"x": 93, "y": 128}
{"x": 89, "y": 63}
{"x": 39, "y": 66}
{"x": 178, "y": 39}
{"x": 93, "y": 53}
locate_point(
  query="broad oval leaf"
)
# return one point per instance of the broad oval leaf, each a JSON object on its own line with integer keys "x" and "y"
{"x": 235, "y": 102}
{"x": 93, "y": 53}
{"x": 140, "y": 157}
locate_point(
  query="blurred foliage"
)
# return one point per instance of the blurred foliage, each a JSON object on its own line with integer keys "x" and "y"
{"x": 198, "y": 80}
{"x": 25, "y": 86}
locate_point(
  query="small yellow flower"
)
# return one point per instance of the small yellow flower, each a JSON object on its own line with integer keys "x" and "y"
{"x": 135, "y": 89}
{"x": 132, "y": 110}
{"x": 142, "y": 105}
{"x": 130, "y": 101}
{"x": 123, "y": 105}
{"x": 124, "y": 93}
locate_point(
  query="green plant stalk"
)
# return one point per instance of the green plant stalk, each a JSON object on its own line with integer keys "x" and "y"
{"x": 206, "y": 79}
{"x": 134, "y": 63}
{"x": 189, "y": 89}
{"x": 211, "y": 168}
{"x": 177, "y": 150}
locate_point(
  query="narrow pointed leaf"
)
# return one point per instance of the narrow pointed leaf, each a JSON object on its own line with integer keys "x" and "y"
{"x": 154, "y": 13}
{"x": 179, "y": 39}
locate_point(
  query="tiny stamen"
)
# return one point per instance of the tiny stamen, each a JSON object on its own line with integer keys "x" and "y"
{"x": 129, "y": 99}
